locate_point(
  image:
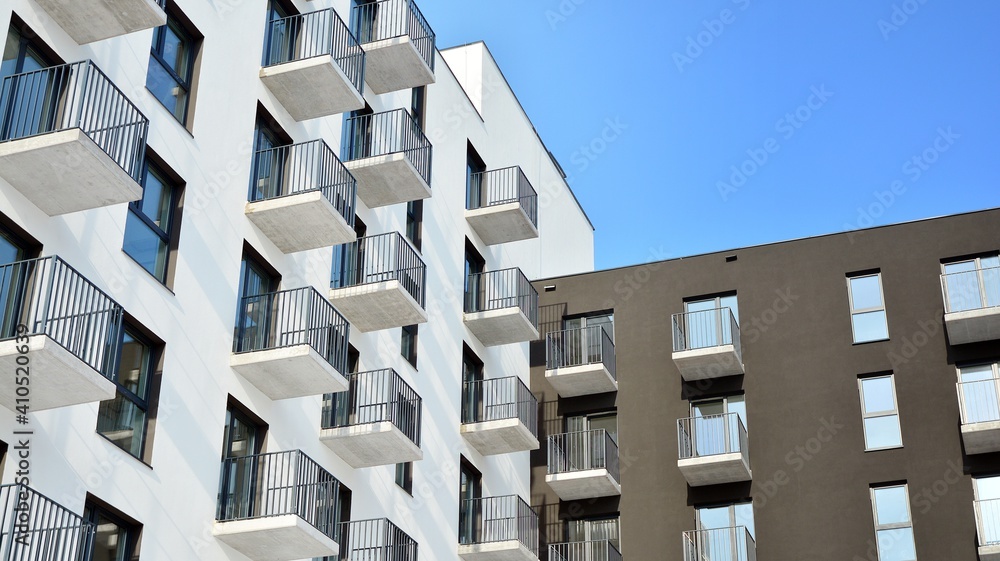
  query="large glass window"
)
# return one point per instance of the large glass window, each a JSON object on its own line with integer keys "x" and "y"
{"x": 987, "y": 492}
{"x": 867, "y": 308}
{"x": 116, "y": 538}
{"x": 470, "y": 489}
{"x": 972, "y": 284}
{"x": 596, "y": 529}
{"x": 893, "y": 524}
{"x": 979, "y": 390}
{"x": 879, "y": 412}
{"x": 708, "y": 322}
{"x": 715, "y": 430}
{"x": 171, "y": 66}
{"x": 151, "y": 223}
{"x": 123, "y": 420}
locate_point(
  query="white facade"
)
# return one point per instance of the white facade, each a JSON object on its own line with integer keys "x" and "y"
{"x": 175, "y": 497}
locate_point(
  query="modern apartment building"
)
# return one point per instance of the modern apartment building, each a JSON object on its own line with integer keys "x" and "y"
{"x": 265, "y": 290}
{"x": 834, "y": 397}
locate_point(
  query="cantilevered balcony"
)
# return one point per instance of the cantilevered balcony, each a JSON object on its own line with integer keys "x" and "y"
{"x": 502, "y": 206}
{"x": 713, "y": 450}
{"x": 390, "y": 157}
{"x": 497, "y": 529}
{"x": 375, "y": 540}
{"x": 36, "y": 527}
{"x": 580, "y": 361}
{"x": 291, "y": 343}
{"x": 277, "y": 507}
{"x": 972, "y": 305}
{"x": 501, "y": 307}
{"x": 398, "y": 42}
{"x": 379, "y": 283}
{"x": 499, "y": 416}
{"x": 596, "y": 550}
{"x": 707, "y": 344}
{"x": 313, "y": 65}
{"x": 988, "y": 526}
{"x": 725, "y": 544}
{"x": 87, "y": 21}
{"x": 376, "y": 422}
{"x": 64, "y": 328}
{"x": 302, "y": 197}
{"x": 583, "y": 465}
{"x": 979, "y": 405}
{"x": 69, "y": 139}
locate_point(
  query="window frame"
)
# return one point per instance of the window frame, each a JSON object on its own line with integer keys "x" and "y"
{"x": 169, "y": 237}
{"x": 93, "y": 508}
{"x": 415, "y": 221}
{"x": 404, "y": 477}
{"x": 193, "y": 41}
{"x": 409, "y": 332}
{"x": 859, "y": 311}
{"x": 895, "y": 525}
{"x": 154, "y": 353}
{"x": 865, "y": 414}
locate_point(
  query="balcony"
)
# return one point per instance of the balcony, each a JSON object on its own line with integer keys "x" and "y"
{"x": 712, "y": 450}
{"x": 375, "y": 540}
{"x": 972, "y": 305}
{"x": 707, "y": 344}
{"x": 499, "y": 416}
{"x": 583, "y": 465}
{"x": 313, "y": 65}
{"x": 64, "y": 328}
{"x": 502, "y": 206}
{"x": 302, "y": 197}
{"x": 87, "y": 21}
{"x": 37, "y": 527}
{"x": 580, "y": 361}
{"x": 291, "y": 343}
{"x": 597, "y": 550}
{"x": 376, "y": 422}
{"x": 378, "y": 283}
{"x": 725, "y": 544}
{"x": 498, "y": 529}
{"x": 501, "y": 307}
{"x": 390, "y": 157}
{"x": 69, "y": 139}
{"x": 277, "y": 507}
{"x": 979, "y": 405}
{"x": 398, "y": 42}
{"x": 988, "y": 526}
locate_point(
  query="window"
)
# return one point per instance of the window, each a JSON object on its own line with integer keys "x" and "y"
{"x": 414, "y": 223}
{"x": 595, "y": 529}
{"x": 22, "y": 53}
{"x": 152, "y": 224}
{"x": 987, "y": 496}
{"x": 418, "y": 106}
{"x": 252, "y": 314}
{"x": 979, "y": 390}
{"x": 404, "y": 476}
{"x": 595, "y": 421}
{"x": 123, "y": 420}
{"x": 474, "y": 169}
{"x": 15, "y": 244}
{"x": 725, "y": 517}
{"x": 893, "y": 524}
{"x": 972, "y": 284}
{"x": 117, "y": 537}
{"x": 713, "y": 420}
{"x": 867, "y": 308}
{"x": 475, "y": 265}
{"x": 879, "y": 412}
{"x": 472, "y": 387}
{"x": 708, "y": 322}
{"x": 470, "y": 490}
{"x": 171, "y": 65}
{"x": 268, "y": 176}
{"x": 408, "y": 344}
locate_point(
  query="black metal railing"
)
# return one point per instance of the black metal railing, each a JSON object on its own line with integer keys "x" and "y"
{"x": 723, "y": 544}
{"x": 498, "y": 519}
{"x": 320, "y": 33}
{"x": 51, "y": 298}
{"x": 76, "y": 95}
{"x": 580, "y": 347}
{"x": 289, "y": 318}
{"x": 36, "y": 528}
{"x": 583, "y": 451}
{"x": 498, "y": 399}
{"x": 300, "y": 168}
{"x": 711, "y": 435}
{"x": 375, "y": 397}
{"x": 503, "y": 186}
{"x": 389, "y": 132}
{"x": 706, "y": 328}
{"x": 279, "y": 484}
{"x": 388, "y": 19}
{"x": 381, "y": 258}
{"x": 595, "y": 550}
{"x": 496, "y": 290}
{"x": 374, "y": 540}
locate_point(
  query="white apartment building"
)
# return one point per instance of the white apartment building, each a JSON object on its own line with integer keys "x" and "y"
{"x": 265, "y": 265}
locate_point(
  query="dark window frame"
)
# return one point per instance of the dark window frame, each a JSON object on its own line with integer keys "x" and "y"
{"x": 171, "y": 238}
{"x": 95, "y": 508}
{"x": 147, "y": 403}
{"x": 415, "y": 223}
{"x": 404, "y": 477}
{"x": 410, "y": 332}
{"x": 193, "y": 39}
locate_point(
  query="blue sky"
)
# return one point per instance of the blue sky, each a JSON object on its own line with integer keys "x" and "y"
{"x": 692, "y": 126}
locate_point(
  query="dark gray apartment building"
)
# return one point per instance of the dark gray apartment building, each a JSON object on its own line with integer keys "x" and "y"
{"x": 828, "y": 398}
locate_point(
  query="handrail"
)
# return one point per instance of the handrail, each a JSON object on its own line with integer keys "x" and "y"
{"x": 496, "y": 290}
{"x": 583, "y": 451}
{"x": 580, "y": 347}
{"x": 498, "y": 399}
{"x": 385, "y": 133}
{"x": 389, "y": 19}
{"x": 381, "y": 258}
{"x": 721, "y": 544}
{"x": 971, "y": 290}
{"x": 374, "y": 397}
{"x": 319, "y": 33}
{"x": 711, "y": 435}
{"x": 498, "y": 519}
{"x": 706, "y": 328}
{"x": 36, "y": 527}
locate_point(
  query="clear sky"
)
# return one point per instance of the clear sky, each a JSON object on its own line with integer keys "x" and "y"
{"x": 691, "y": 126}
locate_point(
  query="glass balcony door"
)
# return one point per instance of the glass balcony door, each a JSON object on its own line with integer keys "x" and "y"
{"x": 29, "y": 101}
{"x": 241, "y": 442}
{"x": 724, "y": 545}
{"x": 707, "y": 323}
{"x": 592, "y": 341}
{"x": 716, "y": 432}
{"x": 586, "y": 445}
{"x": 979, "y": 392}
{"x": 596, "y": 530}
{"x": 973, "y": 284}
{"x": 988, "y": 506}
